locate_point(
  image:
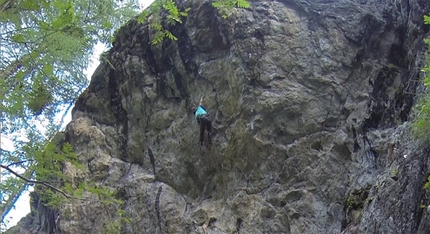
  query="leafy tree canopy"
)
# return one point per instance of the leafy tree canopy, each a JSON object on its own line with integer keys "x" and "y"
{"x": 45, "y": 47}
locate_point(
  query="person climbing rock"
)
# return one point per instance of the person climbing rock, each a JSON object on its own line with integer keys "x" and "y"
{"x": 203, "y": 119}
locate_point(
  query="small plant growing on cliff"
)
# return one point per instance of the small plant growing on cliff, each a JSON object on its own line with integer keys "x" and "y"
{"x": 225, "y": 6}
{"x": 153, "y": 15}
{"x": 427, "y": 19}
{"x": 115, "y": 226}
{"x": 350, "y": 201}
{"x": 394, "y": 172}
{"x": 421, "y": 126}
{"x": 427, "y": 190}
{"x": 427, "y": 184}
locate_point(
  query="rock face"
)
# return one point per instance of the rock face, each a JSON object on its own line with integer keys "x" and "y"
{"x": 310, "y": 102}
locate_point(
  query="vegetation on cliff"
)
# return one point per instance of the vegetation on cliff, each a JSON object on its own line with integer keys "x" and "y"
{"x": 421, "y": 125}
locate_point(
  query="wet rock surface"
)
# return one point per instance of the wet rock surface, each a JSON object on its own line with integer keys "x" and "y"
{"x": 309, "y": 101}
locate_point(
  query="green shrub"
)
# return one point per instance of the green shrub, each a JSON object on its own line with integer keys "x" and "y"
{"x": 421, "y": 125}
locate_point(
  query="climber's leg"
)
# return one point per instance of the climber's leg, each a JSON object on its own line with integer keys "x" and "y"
{"x": 209, "y": 128}
{"x": 202, "y": 129}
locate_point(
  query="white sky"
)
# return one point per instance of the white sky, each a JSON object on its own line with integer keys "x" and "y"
{"x": 22, "y": 206}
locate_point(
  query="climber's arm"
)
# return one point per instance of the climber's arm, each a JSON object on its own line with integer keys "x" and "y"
{"x": 201, "y": 104}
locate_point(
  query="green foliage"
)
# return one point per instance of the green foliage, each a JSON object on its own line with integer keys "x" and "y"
{"x": 39, "y": 97}
{"x": 421, "y": 124}
{"x": 427, "y": 184}
{"x": 45, "y": 46}
{"x": 225, "y": 6}
{"x": 350, "y": 201}
{"x": 427, "y": 19}
{"x": 173, "y": 16}
{"x": 115, "y": 226}
{"x": 153, "y": 15}
{"x": 427, "y": 190}
{"x": 394, "y": 172}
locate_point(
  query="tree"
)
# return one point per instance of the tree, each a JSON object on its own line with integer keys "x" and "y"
{"x": 45, "y": 47}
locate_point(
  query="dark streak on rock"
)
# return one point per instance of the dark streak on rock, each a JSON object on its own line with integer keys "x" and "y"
{"x": 179, "y": 81}
{"x": 152, "y": 159}
{"x": 194, "y": 176}
{"x": 118, "y": 111}
{"x": 157, "y": 207}
{"x": 238, "y": 224}
{"x": 212, "y": 220}
{"x": 354, "y": 136}
{"x": 186, "y": 50}
{"x": 149, "y": 54}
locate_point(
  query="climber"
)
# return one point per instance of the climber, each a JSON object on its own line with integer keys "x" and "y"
{"x": 202, "y": 118}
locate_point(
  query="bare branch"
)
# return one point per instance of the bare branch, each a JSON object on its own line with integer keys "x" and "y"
{"x": 5, "y": 5}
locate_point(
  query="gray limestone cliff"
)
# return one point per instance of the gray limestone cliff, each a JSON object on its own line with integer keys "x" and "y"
{"x": 310, "y": 102}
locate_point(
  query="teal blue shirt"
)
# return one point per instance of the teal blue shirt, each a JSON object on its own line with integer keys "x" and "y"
{"x": 200, "y": 111}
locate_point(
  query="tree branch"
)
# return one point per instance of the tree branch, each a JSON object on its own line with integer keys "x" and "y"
{"x": 38, "y": 182}
{"x": 20, "y": 162}
{"x": 6, "y": 207}
{"x": 5, "y": 5}
{"x": 11, "y": 68}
